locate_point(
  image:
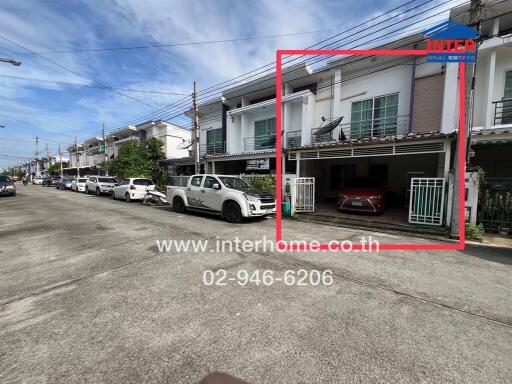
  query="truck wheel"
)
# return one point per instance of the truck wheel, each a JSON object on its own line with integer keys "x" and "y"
{"x": 178, "y": 205}
{"x": 87, "y": 190}
{"x": 127, "y": 198}
{"x": 98, "y": 193}
{"x": 232, "y": 212}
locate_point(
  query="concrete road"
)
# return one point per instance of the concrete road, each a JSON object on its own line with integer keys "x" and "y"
{"x": 86, "y": 297}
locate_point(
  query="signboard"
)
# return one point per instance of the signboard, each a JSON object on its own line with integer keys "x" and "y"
{"x": 101, "y": 148}
{"x": 257, "y": 164}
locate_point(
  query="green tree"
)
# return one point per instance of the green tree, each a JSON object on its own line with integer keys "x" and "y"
{"x": 136, "y": 160}
{"x": 155, "y": 153}
{"x": 54, "y": 169}
{"x": 131, "y": 161}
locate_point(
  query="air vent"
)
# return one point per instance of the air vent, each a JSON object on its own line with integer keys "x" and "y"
{"x": 423, "y": 147}
{"x": 309, "y": 155}
{"x": 373, "y": 151}
{"x": 335, "y": 153}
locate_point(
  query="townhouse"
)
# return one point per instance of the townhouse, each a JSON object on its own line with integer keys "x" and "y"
{"x": 381, "y": 117}
{"x": 90, "y": 154}
{"x": 388, "y": 118}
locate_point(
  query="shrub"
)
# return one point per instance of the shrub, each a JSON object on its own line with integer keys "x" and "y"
{"x": 475, "y": 232}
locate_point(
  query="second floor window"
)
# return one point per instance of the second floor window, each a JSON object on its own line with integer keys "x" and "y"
{"x": 506, "y": 115}
{"x": 214, "y": 142}
{"x": 376, "y": 117}
{"x": 265, "y": 133}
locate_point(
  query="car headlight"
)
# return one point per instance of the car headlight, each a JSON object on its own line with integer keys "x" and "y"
{"x": 376, "y": 197}
{"x": 251, "y": 197}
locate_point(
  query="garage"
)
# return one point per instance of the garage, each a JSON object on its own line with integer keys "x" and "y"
{"x": 354, "y": 174}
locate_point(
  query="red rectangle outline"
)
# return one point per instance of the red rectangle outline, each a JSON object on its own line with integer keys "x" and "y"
{"x": 461, "y": 143}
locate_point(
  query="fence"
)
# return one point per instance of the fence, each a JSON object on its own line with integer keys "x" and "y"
{"x": 495, "y": 211}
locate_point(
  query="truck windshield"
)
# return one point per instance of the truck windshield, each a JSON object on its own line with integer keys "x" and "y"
{"x": 233, "y": 182}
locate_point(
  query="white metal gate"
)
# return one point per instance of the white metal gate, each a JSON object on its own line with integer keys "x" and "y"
{"x": 302, "y": 194}
{"x": 426, "y": 202}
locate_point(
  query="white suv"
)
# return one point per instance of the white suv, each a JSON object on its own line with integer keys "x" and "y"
{"x": 100, "y": 184}
{"x": 132, "y": 189}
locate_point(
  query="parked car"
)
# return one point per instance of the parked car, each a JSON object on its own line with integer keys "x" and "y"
{"x": 228, "y": 196}
{"x": 78, "y": 185}
{"x": 132, "y": 189}
{"x": 64, "y": 183}
{"x": 7, "y": 186}
{"x": 362, "y": 194}
{"x": 100, "y": 184}
{"x": 38, "y": 180}
{"x": 50, "y": 181}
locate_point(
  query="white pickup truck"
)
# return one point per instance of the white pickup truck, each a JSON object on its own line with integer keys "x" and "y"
{"x": 228, "y": 196}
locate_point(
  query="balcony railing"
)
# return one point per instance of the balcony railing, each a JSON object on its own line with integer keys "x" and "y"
{"x": 366, "y": 129}
{"x": 257, "y": 143}
{"x": 215, "y": 148}
{"x": 502, "y": 112}
{"x": 293, "y": 139}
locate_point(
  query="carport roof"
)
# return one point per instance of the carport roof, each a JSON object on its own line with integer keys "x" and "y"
{"x": 379, "y": 140}
{"x": 243, "y": 155}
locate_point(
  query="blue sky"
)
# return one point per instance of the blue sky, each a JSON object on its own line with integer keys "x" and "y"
{"x": 58, "y": 112}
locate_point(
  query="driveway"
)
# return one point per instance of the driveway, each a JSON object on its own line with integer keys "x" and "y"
{"x": 86, "y": 297}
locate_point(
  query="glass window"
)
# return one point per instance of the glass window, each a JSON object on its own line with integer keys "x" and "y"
{"x": 196, "y": 181}
{"x": 107, "y": 180}
{"x": 233, "y": 182}
{"x": 145, "y": 182}
{"x": 265, "y": 133}
{"x": 506, "y": 112}
{"x": 209, "y": 181}
{"x": 507, "y": 94}
{"x": 92, "y": 179}
{"x": 214, "y": 142}
{"x": 375, "y": 117}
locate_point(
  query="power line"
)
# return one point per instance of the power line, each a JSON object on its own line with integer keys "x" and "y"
{"x": 92, "y": 86}
{"x": 211, "y": 90}
{"x": 74, "y": 74}
{"x": 151, "y": 46}
{"x": 169, "y": 116}
{"x": 330, "y": 68}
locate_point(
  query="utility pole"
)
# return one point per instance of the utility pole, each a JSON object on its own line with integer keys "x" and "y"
{"x": 60, "y": 160}
{"x": 474, "y": 19}
{"x": 37, "y": 156}
{"x": 77, "y": 159}
{"x": 104, "y": 147}
{"x": 49, "y": 161}
{"x": 195, "y": 130}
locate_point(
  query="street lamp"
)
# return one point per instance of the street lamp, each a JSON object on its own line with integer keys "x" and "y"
{"x": 10, "y": 61}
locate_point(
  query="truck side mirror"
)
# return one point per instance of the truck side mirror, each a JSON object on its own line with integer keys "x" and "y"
{"x": 216, "y": 186}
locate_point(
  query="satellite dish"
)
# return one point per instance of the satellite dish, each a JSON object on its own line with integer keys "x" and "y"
{"x": 185, "y": 144}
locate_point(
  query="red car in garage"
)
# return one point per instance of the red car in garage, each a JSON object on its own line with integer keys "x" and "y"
{"x": 362, "y": 194}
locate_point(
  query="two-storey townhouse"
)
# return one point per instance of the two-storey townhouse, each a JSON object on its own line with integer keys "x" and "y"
{"x": 96, "y": 150}
{"x": 171, "y": 135}
{"x": 379, "y": 117}
{"x": 491, "y": 119}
